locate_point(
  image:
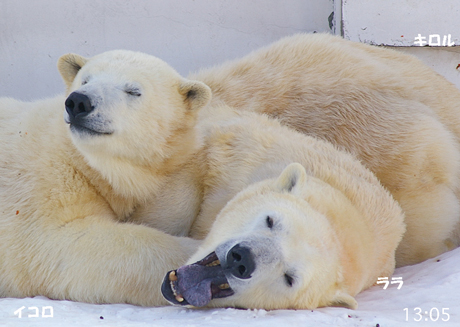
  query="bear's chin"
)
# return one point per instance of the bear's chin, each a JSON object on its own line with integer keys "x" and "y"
{"x": 83, "y": 131}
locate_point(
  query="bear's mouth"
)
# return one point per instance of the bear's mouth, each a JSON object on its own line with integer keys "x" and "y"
{"x": 84, "y": 130}
{"x": 76, "y": 128}
{"x": 196, "y": 284}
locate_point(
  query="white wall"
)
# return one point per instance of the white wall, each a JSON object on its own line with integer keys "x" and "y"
{"x": 444, "y": 60}
{"x": 398, "y": 23}
{"x": 188, "y": 34}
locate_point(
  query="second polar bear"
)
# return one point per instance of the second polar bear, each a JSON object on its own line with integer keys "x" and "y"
{"x": 323, "y": 223}
{"x": 294, "y": 241}
{"x": 395, "y": 114}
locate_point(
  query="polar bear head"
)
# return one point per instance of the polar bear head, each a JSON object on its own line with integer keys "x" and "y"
{"x": 268, "y": 248}
{"x": 129, "y": 112}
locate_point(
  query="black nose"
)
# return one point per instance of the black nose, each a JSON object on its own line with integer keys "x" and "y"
{"x": 240, "y": 262}
{"x": 77, "y": 104}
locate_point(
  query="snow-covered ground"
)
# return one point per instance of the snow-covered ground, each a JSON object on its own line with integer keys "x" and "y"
{"x": 433, "y": 286}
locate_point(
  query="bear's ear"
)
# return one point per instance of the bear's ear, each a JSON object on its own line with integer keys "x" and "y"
{"x": 292, "y": 178}
{"x": 69, "y": 65}
{"x": 345, "y": 300}
{"x": 196, "y": 93}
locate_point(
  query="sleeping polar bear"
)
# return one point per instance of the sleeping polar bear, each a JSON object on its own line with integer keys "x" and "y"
{"x": 73, "y": 171}
{"x": 317, "y": 235}
{"x": 401, "y": 119}
{"x": 395, "y": 114}
{"x": 293, "y": 242}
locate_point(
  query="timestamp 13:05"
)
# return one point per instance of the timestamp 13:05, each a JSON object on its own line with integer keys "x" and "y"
{"x": 434, "y": 314}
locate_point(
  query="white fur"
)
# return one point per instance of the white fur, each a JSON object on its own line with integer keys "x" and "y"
{"x": 90, "y": 218}
{"x": 396, "y": 115}
{"x": 66, "y": 197}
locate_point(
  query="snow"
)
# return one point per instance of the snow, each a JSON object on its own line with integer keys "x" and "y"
{"x": 434, "y": 283}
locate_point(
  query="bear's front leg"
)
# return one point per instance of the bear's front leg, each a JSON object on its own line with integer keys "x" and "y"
{"x": 93, "y": 259}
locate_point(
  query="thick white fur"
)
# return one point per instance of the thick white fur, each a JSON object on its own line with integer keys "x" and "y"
{"x": 84, "y": 218}
{"x": 66, "y": 198}
{"x": 341, "y": 227}
{"x": 396, "y": 115}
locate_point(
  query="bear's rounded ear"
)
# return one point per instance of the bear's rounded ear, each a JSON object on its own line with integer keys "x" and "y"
{"x": 345, "y": 300}
{"x": 292, "y": 178}
{"x": 69, "y": 65}
{"x": 196, "y": 94}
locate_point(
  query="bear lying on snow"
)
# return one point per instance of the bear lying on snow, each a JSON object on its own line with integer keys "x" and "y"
{"x": 321, "y": 233}
{"x": 395, "y": 114}
{"x": 89, "y": 209}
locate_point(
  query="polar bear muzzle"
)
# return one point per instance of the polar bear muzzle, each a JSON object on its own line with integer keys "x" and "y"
{"x": 78, "y": 106}
{"x": 197, "y": 284}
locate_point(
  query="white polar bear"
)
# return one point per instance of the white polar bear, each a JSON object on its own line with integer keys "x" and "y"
{"x": 326, "y": 225}
{"x": 67, "y": 191}
{"x": 294, "y": 242}
{"x": 395, "y": 114}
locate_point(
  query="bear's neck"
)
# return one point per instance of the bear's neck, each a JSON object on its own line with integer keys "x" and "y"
{"x": 126, "y": 184}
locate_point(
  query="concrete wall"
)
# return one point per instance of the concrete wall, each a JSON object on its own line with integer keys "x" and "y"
{"x": 406, "y": 25}
{"x": 398, "y": 22}
{"x": 188, "y": 34}
{"x": 444, "y": 60}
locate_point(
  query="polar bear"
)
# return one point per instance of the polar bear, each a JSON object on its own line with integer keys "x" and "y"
{"x": 325, "y": 225}
{"x": 292, "y": 242}
{"x": 396, "y": 115}
{"x": 69, "y": 186}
